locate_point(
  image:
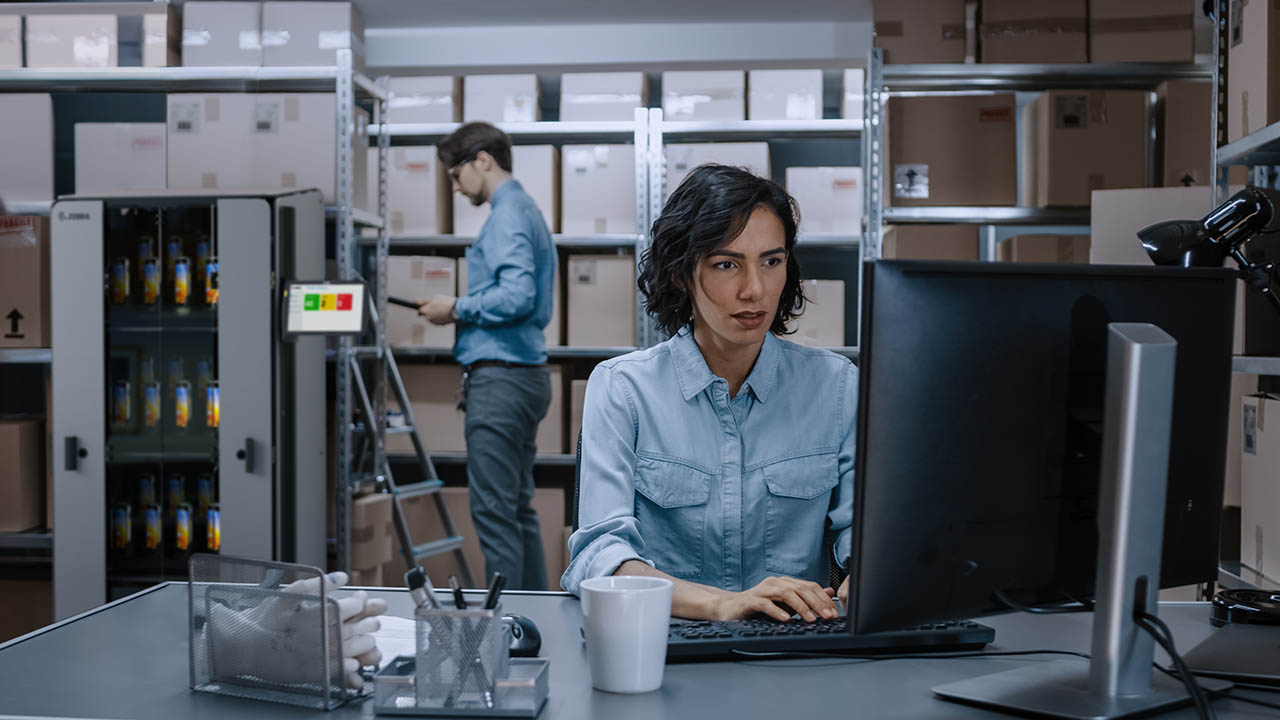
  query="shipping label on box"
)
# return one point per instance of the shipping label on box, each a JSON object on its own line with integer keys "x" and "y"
{"x": 920, "y": 31}
{"x": 66, "y": 41}
{"x": 598, "y": 189}
{"x": 602, "y": 301}
{"x": 1086, "y": 141}
{"x": 830, "y": 198}
{"x": 602, "y": 96}
{"x": 784, "y": 95}
{"x": 111, "y": 157}
{"x": 953, "y": 150}
{"x": 24, "y": 282}
{"x": 683, "y": 158}
{"x": 822, "y": 324}
{"x": 26, "y": 173}
{"x": 703, "y": 95}
{"x": 416, "y": 278}
{"x": 1260, "y": 486}
{"x": 501, "y": 98}
{"x": 223, "y": 34}
{"x": 425, "y": 99}
{"x": 211, "y": 140}
{"x": 537, "y": 169}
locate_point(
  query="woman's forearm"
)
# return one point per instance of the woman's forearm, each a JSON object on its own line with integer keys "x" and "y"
{"x": 688, "y": 600}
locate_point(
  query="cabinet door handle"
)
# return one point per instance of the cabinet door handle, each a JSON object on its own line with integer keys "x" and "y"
{"x": 74, "y": 453}
{"x": 246, "y": 454}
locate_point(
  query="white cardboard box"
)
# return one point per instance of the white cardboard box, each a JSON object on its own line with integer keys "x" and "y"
{"x": 602, "y": 96}
{"x": 830, "y": 198}
{"x": 26, "y": 146}
{"x": 224, "y": 34}
{"x": 212, "y": 140}
{"x": 703, "y": 95}
{"x": 536, "y": 167}
{"x": 1260, "y": 486}
{"x": 298, "y": 34}
{"x": 602, "y": 301}
{"x": 682, "y": 159}
{"x": 598, "y": 189}
{"x": 854, "y": 92}
{"x": 433, "y": 394}
{"x": 10, "y": 41}
{"x": 822, "y": 324}
{"x": 1242, "y": 386}
{"x": 551, "y": 333}
{"x": 577, "y": 399}
{"x": 550, "y": 437}
{"x": 415, "y": 278}
{"x": 296, "y": 149}
{"x": 120, "y": 156}
{"x": 64, "y": 41}
{"x": 501, "y": 98}
{"x": 417, "y": 190}
{"x": 425, "y": 99}
{"x": 784, "y": 95}
{"x": 161, "y": 39}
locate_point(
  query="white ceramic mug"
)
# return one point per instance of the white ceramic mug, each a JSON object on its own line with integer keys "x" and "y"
{"x": 625, "y": 618}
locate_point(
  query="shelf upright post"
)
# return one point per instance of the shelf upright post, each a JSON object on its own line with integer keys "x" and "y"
{"x": 643, "y": 184}
{"x": 380, "y": 107}
{"x": 345, "y": 231}
{"x": 1221, "y": 41}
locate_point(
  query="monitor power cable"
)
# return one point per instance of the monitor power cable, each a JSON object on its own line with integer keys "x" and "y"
{"x": 1160, "y": 631}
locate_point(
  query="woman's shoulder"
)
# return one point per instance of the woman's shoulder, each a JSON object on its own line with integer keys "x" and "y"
{"x": 813, "y": 359}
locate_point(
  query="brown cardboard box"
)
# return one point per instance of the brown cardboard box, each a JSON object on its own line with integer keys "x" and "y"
{"x": 920, "y": 31}
{"x": 22, "y": 486}
{"x": 577, "y": 398}
{"x": 1261, "y": 322}
{"x": 371, "y": 531}
{"x": 424, "y": 526}
{"x": 1045, "y": 249}
{"x": 1242, "y": 386}
{"x": 433, "y": 393}
{"x": 1142, "y": 30}
{"x": 822, "y": 324}
{"x": 24, "y": 282}
{"x": 66, "y": 41}
{"x": 602, "y": 301}
{"x": 1183, "y": 132}
{"x": 1253, "y": 93}
{"x": 550, "y": 438}
{"x": 372, "y": 577}
{"x": 1260, "y": 486}
{"x": 1086, "y": 140}
{"x": 930, "y": 242}
{"x": 953, "y": 150}
{"x": 1034, "y": 31}
{"x": 25, "y": 605}
{"x": 415, "y": 278}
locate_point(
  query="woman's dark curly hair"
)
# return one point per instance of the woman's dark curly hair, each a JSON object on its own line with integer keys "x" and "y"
{"x": 709, "y": 209}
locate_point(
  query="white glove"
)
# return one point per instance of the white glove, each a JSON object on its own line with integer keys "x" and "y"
{"x": 276, "y": 641}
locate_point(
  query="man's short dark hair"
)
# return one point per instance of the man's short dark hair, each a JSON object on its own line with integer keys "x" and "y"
{"x": 468, "y": 141}
{"x": 709, "y": 209}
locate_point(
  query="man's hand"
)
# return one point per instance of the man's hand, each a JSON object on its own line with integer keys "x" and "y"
{"x": 438, "y": 309}
{"x": 843, "y": 593}
{"x": 809, "y": 599}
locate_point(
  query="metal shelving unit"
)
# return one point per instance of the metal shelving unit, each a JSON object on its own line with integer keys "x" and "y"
{"x": 428, "y": 242}
{"x": 555, "y": 352}
{"x": 1256, "y": 365}
{"x": 25, "y": 356}
{"x": 187, "y": 79}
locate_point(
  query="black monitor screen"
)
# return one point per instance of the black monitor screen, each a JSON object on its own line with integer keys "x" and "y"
{"x": 980, "y": 427}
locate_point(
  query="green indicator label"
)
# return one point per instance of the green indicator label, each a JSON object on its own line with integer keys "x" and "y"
{"x": 311, "y": 301}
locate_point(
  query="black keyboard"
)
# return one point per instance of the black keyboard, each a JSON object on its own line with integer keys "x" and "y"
{"x": 718, "y": 640}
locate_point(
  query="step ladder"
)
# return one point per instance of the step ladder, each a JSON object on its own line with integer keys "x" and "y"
{"x": 430, "y": 483}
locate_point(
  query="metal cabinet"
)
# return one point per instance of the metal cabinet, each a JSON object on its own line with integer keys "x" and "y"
{"x": 181, "y": 422}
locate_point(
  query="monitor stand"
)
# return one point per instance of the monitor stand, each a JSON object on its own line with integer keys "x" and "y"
{"x": 1119, "y": 680}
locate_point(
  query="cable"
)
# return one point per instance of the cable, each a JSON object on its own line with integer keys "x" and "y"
{"x": 1158, "y": 630}
{"x": 1015, "y": 605}
{"x": 784, "y": 655}
{"x": 1227, "y": 694}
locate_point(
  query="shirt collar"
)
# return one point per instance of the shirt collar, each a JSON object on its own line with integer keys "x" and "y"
{"x": 694, "y": 376}
{"x": 505, "y": 189}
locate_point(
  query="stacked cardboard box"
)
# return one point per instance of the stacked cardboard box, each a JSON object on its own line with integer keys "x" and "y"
{"x": 854, "y": 93}
{"x": 953, "y": 150}
{"x": 537, "y": 168}
{"x": 598, "y": 189}
{"x": 1253, "y": 87}
{"x": 602, "y": 301}
{"x": 501, "y": 98}
{"x": 1142, "y": 30}
{"x": 425, "y": 99}
{"x": 577, "y": 399}
{"x": 1034, "y": 31}
{"x": 830, "y": 198}
{"x": 219, "y": 33}
{"x": 372, "y": 539}
{"x": 433, "y": 393}
{"x": 301, "y": 34}
{"x": 602, "y": 96}
{"x": 22, "y": 486}
{"x": 24, "y": 282}
{"x": 1085, "y": 141}
{"x": 417, "y": 190}
{"x": 822, "y": 324}
{"x": 1260, "y": 485}
{"x": 930, "y": 242}
{"x": 25, "y": 606}
{"x": 26, "y": 175}
{"x": 1045, "y": 249}
{"x": 784, "y": 95}
{"x": 703, "y": 95}
{"x": 682, "y": 159}
{"x": 120, "y": 156}
{"x": 416, "y": 278}
{"x": 10, "y": 42}
{"x": 920, "y": 31}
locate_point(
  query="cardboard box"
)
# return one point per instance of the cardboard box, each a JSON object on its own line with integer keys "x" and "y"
{"x": 602, "y": 96}
{"x": 417, "y": 278}
{"x": 830, "y": 198}
{"x": 784, "y": 95}
{"x": 25, "y": 606}
{"x": 212, "y": 140}
{"x": 552, "y": 332}
{"x": 598, "y": 189}
{"x": 602, "y": 301}
{"x": 682, "y": 159}
{"x": 26, "y": 174}
{"x": 1260, "y": 486}
{"x": 10, "y": 42}
{"x": 822, "y": 324}
{"x": 161, "y": 39}
{"x": 433, "y": 395}
{"x": 930, "y": 242}
{"x": 1242, "y": 386}
{"x": 953, "y": 150}
{"x": 417, "y": 190}
{"x": 920, "y": 31}
{"x": 296, "y": 149}
{"x": 299, "y": 34}
{"x": 501, "y": 98}
{"x": 425, "y": 99}
{"x": 372, "y": 531}
{"x": 1260, "y": 322}
{"x": 1253, "y": 93}
{"x": 66, "y": 41}
{"x": 1142, "y": 30}
{"x": 24, "y": 282}
{"x": 1184, "y": 132}
{"x": 22, "y": 492}
{"x": 550, "y": 437}
{"x": 120, "y": 156}
{"x": 577, "y": 399}
{"x": 549, "y": 503}
{"x": 1118, "y": 215}
{"x": 703, "y": 95}
{"x": 537, "y": 168}
{"x": 855, "y": 80}
{"x": 1034, "y": 31}
{"x": 1086, "y": 140}
{"x": 374, "y": 576}
{"x": 1045, "y": 249}
{"x": 221, "y": 34}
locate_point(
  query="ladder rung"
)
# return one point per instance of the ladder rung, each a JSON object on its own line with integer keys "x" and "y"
{"x": 426, "y": 487}
{"x": 437, "y": 547}
{"x": 367, "y": 350}
{"x": 359, "y": 480}
{"x": 402, "y": 430}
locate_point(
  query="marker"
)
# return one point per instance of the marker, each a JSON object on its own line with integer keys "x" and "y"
{"x": 458, "y": 600}
{"x": 420, "y": 589}
{"x": 495, "y": 591}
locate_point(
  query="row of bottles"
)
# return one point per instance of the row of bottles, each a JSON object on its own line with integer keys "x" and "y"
{"x": 146, "y": 525}
{"x": 137, "y": 280}
{"x": 143, "y": 393}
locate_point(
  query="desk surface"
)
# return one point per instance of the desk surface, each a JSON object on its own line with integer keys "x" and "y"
{"x": 129, "y": 660}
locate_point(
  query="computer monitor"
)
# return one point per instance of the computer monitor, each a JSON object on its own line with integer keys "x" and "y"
{"x": 980, "y": 413}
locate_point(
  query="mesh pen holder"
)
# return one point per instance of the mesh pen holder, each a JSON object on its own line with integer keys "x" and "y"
{"x": 461, "y": 656}
{"x": 265, "y": 631}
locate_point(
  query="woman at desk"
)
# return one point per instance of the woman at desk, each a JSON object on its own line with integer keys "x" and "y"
{"x": 721, "y": 459}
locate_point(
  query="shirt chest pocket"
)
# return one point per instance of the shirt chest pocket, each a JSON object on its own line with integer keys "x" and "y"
{"x": 671, "y": 509}
{"x": 798, "y": 499}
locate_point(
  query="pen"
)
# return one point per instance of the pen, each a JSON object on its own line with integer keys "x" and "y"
{"x": 495, "y": 591}
{"x": 420, "y": 588}
{"x": 458, "y": 601}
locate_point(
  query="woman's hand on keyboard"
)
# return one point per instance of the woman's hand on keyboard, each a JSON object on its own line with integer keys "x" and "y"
{"x": 778, "y": 598}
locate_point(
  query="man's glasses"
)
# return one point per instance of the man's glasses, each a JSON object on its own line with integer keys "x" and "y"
{"x": 457, "y": 169}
